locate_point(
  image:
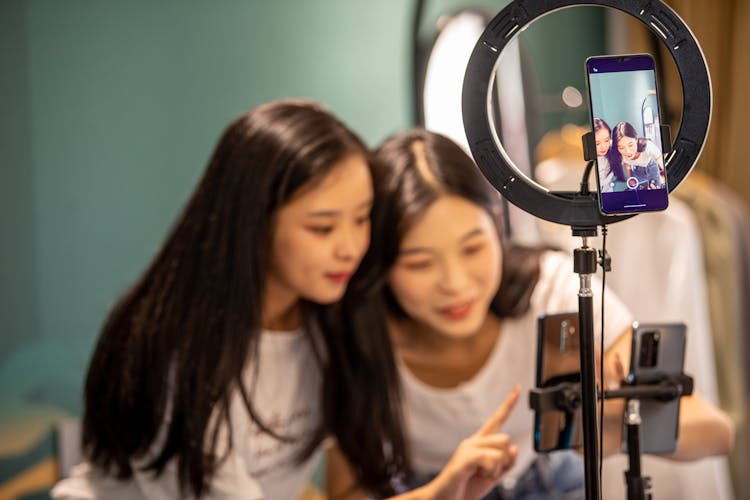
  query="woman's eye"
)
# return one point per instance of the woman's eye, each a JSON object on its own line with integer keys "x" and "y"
{"x": 320, "y": 229}
{"x": 363, "y": 219}
{"x": 473, "y": 249}
{"x": 417, "y": 265}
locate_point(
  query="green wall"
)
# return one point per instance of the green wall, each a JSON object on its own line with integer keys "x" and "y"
{"x": 108, "y": 113}
{"x": 114, "y": 110}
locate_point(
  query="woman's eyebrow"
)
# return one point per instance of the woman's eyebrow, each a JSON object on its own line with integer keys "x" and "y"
{"x": 413, "y": 250}
{"x": 323, "y": 213}
{"x": 335, "y": 213}
{"x": 471, "y": 234}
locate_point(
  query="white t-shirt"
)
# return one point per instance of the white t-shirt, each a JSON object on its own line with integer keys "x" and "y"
{"x": 650, "y": 152}
{"x": 606, "y": 177}
{"x": 285, "y": 394}
{"x": 438, "y": 419}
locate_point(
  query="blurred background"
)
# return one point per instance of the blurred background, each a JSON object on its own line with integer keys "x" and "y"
{"x": 109, "y": 112}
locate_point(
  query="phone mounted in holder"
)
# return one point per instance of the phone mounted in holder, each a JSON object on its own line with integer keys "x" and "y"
{"x": 566, "y": 397}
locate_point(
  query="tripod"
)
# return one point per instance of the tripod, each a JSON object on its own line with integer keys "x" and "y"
{"x": 566, "y": 397}
{"x": 584, "y": 264}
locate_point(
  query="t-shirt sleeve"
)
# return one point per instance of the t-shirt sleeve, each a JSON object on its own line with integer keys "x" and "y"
{"x": 653, "y": 150}
{"x": 231, "y": 481}
{"x": 557, "y": 292}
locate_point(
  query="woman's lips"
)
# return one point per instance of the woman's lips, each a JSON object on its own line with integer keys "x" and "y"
{"x": 339, "y": 277}
{"x": 457, "y": 311}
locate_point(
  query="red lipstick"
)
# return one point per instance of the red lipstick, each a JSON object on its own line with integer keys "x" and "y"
{"x": 339, "y": 277}
{"x": 457, "y": 311}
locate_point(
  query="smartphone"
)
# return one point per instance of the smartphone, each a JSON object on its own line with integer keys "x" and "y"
{"x": 657, "y": 350}
{"x": 626, "y": 121}
{"x": 558, "y": 361}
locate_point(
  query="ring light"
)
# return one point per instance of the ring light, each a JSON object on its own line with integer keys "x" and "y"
{"x": 572, "y": 208}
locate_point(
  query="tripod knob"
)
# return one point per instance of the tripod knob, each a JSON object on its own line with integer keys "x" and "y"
{"x": 584, "y": 260}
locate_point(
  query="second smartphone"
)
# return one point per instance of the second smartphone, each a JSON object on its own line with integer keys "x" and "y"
{"x": 657, "y": 350}
{"x": 558, "y": 362}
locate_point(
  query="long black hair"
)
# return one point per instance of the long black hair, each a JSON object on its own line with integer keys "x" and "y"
{"x": 174, "y": 347}
{"x": 613, "y": 156}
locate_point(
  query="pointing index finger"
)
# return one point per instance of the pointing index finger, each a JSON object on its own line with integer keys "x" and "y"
{"x": 493, "y": 424}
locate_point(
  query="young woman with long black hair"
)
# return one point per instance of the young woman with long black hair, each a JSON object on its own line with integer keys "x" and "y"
{"x": 460, "y": 306}
{"x": 224, "y": 367}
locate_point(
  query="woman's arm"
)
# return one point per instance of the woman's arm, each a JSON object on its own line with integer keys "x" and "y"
{"x": 341, "y": 484}
{"x": 704, "y": 429}
{"x": 476, "y": 465}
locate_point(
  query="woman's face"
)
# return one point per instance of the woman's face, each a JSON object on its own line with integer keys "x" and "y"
{"x": 603, "y": 141}
{"x": 628, "y": 147}
{"x": 448, "y": 268}
{"x": 321, "y": 235}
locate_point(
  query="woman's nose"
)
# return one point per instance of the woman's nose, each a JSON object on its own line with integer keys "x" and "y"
{"x": 344, "y": 246}
{"x": 349, "y": 243}
{"x": 453, "y": 277}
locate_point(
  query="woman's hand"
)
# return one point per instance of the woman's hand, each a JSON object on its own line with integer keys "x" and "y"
{"x": 475, "y": 467}
{"x": 479, "y": 461}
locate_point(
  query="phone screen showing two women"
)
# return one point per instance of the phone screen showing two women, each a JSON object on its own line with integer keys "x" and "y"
{"x": 626, "y": 122}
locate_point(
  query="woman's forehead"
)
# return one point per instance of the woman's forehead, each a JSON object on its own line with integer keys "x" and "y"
{"x": 347, "y": 184}
{"x": 449, "y": 218}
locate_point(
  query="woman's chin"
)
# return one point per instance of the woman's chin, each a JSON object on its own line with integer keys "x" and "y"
{"x": 458, "y": 330}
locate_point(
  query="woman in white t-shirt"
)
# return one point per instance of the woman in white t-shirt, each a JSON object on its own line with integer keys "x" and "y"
{"x": 217, "y": 375}
{"x": 640, "y": 158}
{"x": 461, "y": 310}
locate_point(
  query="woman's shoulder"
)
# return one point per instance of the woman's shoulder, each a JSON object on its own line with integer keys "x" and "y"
{"x": 557, "y": 283}
{"x": 652, "y": 148}
{"x": 88, "y": 483}
{"x": 554, "y": 263}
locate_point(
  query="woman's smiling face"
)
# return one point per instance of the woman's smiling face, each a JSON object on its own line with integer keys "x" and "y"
{"x": 449, "y": 267}
{"x": 628, "y": 147}
{"x": 321, "y": 235}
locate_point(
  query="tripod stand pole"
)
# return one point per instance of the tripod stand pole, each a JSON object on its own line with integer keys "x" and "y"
{"x": 638, "y": 486}
{"x": 584, "y": 264}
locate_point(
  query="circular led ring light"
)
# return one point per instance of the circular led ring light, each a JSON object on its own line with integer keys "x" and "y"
{"x": 570, "y": 208}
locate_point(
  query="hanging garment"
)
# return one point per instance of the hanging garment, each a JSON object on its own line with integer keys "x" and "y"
{"x": 721, "y": 237}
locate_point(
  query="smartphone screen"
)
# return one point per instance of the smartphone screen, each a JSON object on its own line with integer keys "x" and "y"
{"x": 626, "y": 122}
{"x": 657, "y": 350}
{"x": 558, "y": 361}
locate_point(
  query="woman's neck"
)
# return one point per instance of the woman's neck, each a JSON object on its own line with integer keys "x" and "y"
{"x": 281, "y": 308}
{"x": 439, "y": 360}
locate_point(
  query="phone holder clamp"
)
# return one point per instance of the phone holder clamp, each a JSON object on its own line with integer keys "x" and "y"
{"x": 567, "y": 397}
